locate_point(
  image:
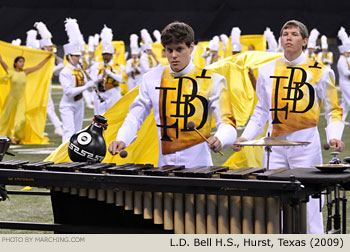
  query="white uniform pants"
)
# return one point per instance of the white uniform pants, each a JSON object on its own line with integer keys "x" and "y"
{"x": 51, "y": 114}
{"x": 303, "y": 156}
{"x": 345, "y": 101}
{"x": 110, "y": 97}
{"x": 72, "y": 118}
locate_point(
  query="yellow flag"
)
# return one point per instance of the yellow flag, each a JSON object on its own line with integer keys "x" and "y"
{"x": 235, "y": 69}
{"x": 157, "y": 48}
{"x": 257, "y": 41}
{"x": 118, "y": 57}
{"x": 143, "y": 150}
{"x": 36, "y": 89}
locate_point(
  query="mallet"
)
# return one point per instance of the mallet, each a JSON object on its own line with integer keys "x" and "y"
{"x": 326, "y": 146}
{"x": 123, "y": 153}
{"x": 191, "y": 125}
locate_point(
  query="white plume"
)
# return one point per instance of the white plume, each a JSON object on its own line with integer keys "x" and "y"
{"x": 43, "y": 31}
{"x": 270, "y": 38}
{"x": 31, "y": 39}
{"x": 73, "y": 31}
{"x": 235, "y": 35}
{"x": 16, "y": 42}
{"x": 224, "y": 38}
{"x": 157, "y": 35}
{"x": 343, "y": 36}
{"x": 146, "y": 37}
{"x": 106, "y": 35}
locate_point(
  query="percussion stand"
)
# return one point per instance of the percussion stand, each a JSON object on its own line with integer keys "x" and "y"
{"x": 268, "y": 150}
{"x": 337, "y": 218}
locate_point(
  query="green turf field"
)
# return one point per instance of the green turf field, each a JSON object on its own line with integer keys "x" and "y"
{"x": 38, "y": 208}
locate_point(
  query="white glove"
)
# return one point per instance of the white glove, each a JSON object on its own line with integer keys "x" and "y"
{"x": 90, "y": 84}
{"x": 117, "y": 77}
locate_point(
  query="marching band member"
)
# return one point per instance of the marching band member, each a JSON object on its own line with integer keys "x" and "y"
{"x": 148, "y": 59}
{"x": 211, "y": 54}
{"x": 311, "y": 45}
{"x": 290, "y": 91}
{"x": 325, "y": 56}
{"x": 133, "y": 69}
{"x": 344, "y": 72}
{"x": 47, "y": 45}
{"x": 73, "y": 82}
{"x": 108, "y": 74}
{"x": 170, "y": 91}
{"x": 235, "y": 40}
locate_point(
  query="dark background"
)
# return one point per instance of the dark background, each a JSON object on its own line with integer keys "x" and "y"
{"x": 207, "y": 17}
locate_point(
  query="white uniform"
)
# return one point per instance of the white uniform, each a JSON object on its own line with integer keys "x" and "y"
{"x": 110, "y": 96}
{"x": 147, "y": 62}
{"x": 344, "y": 83}
{"x": 209, "y": 59}
{"x": 51, "y": 113}
{"x": 326, "y": 59}
{"x": 298, "y": 156}
{"x": 148, "y": 98}
{"x": 134, "y": 73}
{"x": 72, "y": 110}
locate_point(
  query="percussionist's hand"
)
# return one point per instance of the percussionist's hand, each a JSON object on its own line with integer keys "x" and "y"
{"x": 115, "y": 147}
{"x": 214, "y": 143}
{"x": 238, "y": 140}
{"x": 337, "y": 144}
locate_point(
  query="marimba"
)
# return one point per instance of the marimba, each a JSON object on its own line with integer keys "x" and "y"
{"x": 140, "y": 198}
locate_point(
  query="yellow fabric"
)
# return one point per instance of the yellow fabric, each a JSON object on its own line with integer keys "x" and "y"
{"x": 119, "y": 48}
{"x": 258, "y": 41}
{"x": 235, "y": 69}
{"x": 202, "y": 46}
{"x": 249, "y": 156}
{"x": 146, "y": 149}
{"x": 157, "y": 48}
{"x": 143, "y": 150}
{"x": 36, "y": 92}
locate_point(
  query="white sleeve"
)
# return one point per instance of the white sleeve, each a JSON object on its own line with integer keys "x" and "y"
{"x": 257, "y": 121}
{"x": 67, "y": 81}
{"x": 343, "y": 67}
{"x": 225, "y": 132}
{"x": 144, "y": 65}
{"x": 116, "y": 77}
{"x": 138, "y": 111}
{"x": 327, "y": 92}
{"x": 57, "y": 69}
{"x": 128, "y": 68}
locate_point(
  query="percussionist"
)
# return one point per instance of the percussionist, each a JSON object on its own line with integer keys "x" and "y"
{"x": 178, "y": 94}
{"x": 290, "y": 90}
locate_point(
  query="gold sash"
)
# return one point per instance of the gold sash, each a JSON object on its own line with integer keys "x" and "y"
{"x": 184, "y": 99}
{"x": 109, "y": 82}
{"x": 294, "y": 105}
{"x": 79, "y": 81}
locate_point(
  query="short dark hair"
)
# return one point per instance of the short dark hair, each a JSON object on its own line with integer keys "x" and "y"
{"x": 16, "y": 60}
{"x": 294, "y": 23}
{"x": 177, "y": 32}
